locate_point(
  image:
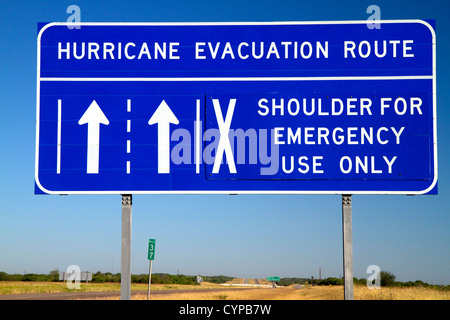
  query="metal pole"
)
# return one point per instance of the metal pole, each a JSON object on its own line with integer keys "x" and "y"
{"x": 347, "y": 242}
{"x": 125, "y": 277}
{"x": 149, "y": 279}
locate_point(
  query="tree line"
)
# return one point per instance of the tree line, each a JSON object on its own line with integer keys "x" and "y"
{"x": 100, "y": 277}
{"x": 387, "y": 279}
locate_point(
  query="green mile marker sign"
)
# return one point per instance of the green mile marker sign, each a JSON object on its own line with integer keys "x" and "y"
{"x": 273, "y": 278}
{"x": 151, "y": 249}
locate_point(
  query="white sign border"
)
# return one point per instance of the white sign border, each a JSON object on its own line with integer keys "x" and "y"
{"x": 433, "y": 77}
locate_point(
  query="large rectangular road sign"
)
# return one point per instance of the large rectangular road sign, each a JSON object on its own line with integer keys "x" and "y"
{"x": 270, "y": 107}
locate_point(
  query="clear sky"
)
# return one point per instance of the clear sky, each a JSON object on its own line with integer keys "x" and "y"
{"x": 250, "y": 236}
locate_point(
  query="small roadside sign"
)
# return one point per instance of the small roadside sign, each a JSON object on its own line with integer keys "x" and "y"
{"x": 151, "y": 249}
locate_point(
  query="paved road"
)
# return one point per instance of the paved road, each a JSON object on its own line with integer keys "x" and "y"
{"x": 255, "y": 280}
{"x": 93, "y": 295}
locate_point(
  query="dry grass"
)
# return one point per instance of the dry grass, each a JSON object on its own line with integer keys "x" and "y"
{"x": 363, "y": 293}
{"x": 309, "y": 293}
{"x": 205, "y": 285}
{"x": 412, "y": 293}
{"x": 236, "y": 293}
{"x": 16, "y": 287}
{"x": 229, "y": 294}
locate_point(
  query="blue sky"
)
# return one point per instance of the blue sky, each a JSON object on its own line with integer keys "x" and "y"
{"x": 243, "y": 236}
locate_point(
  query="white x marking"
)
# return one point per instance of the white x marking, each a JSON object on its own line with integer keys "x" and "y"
{"x": 224, "y": 141}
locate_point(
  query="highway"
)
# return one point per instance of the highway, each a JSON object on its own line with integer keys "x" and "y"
{"x": 94, "y": 295}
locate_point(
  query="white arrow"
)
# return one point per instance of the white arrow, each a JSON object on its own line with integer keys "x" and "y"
{"x": 93, "y": 117}
{"x": 163, "y": 116}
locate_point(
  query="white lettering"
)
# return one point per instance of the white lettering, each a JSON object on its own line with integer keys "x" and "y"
{"x": 397, "y": 133}
{"x": 349, "y": 46}
{"x": 278, "y": 135}
{"x": 198, "y": 50}
{"x": 173, "y": 50}
{"x": 126, "y": 50}
{"x": 108, "y": 48}
{"x": 144, "y": 50}
{"x": 391, "y": 48}
{"x": 243, "y": 57}
{"x": 227, "y": 50}
{"x": 66, "y": 50}
{"x": 273, "y": 50}
{"x": 263, "y": 106}
{"x": 389, "y": 163}
{"x": 93, "y": 49}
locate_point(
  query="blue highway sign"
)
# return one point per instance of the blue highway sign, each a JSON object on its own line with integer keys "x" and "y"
{"x": 270, "y": 107}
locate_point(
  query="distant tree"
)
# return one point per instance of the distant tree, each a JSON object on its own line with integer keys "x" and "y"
{"x": 330, "y": 281}
{"x": 420, "y": 283}
{"x": 387, "y": 279}
{"x": 30, "y": 277}
{"x": 3, "y": 276}
{"x": 217, "y": 279}
{"x": 54, "y": 275}
{"x": 289, "y": 281}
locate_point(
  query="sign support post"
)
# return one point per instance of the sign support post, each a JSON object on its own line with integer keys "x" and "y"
{"x": 125, "y": 277}
{"x": 149, "y": 279}
{"x": 347, "y": 243}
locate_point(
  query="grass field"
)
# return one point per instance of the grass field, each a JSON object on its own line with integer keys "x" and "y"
{"x": 229, "y": 293}
{"x": 15, "y": 287}
{"x": 361, "y": 292}
{"x": 311, "y": 293}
